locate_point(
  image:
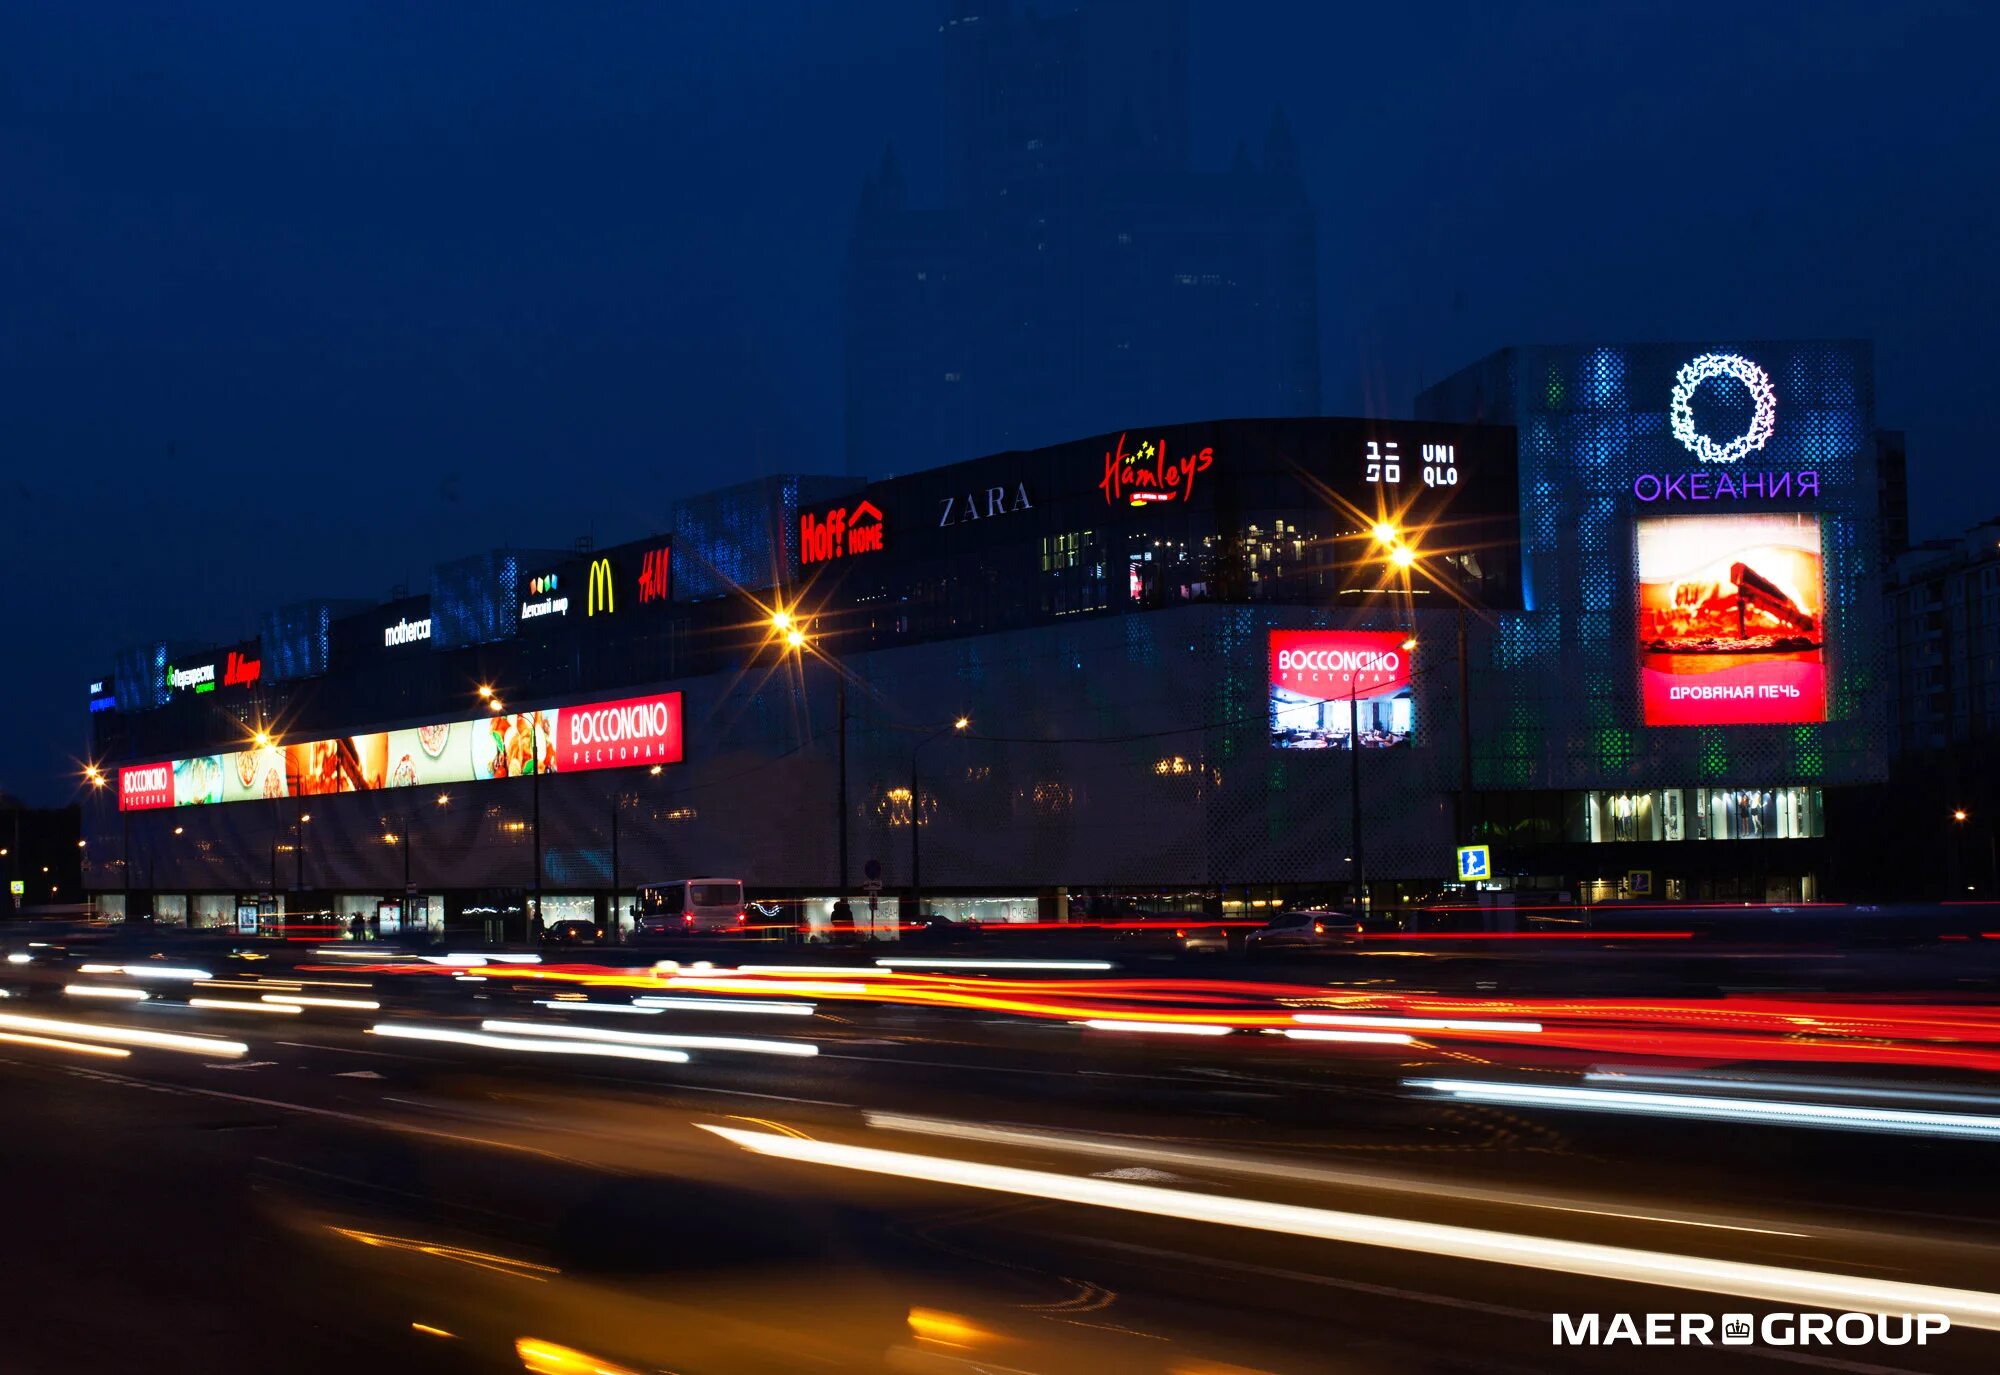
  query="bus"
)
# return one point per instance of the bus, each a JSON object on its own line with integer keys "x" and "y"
{"x": 691, "y": 906}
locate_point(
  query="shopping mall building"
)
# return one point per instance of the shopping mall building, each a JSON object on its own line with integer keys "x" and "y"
{"x": 1610, "y": 611}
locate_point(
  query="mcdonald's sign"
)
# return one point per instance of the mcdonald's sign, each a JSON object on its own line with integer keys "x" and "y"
{"x": 602, "y": 594}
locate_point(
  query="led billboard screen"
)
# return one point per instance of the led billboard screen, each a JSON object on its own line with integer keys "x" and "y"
{"x": 1731, "y": 620}
{"x": 594, "y": 735}
{"x": 1325, "y": 684}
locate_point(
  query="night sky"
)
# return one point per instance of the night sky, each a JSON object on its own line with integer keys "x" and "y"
{"x": 296, "y": 300}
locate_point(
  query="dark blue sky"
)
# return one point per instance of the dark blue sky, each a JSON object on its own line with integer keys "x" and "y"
{"x": 298, "y": 299}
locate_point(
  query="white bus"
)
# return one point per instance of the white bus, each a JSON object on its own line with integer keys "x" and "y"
{"x": 691, "y": 906}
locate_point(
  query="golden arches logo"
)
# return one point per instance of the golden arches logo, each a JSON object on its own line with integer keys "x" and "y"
{"x": 603, "y": 589}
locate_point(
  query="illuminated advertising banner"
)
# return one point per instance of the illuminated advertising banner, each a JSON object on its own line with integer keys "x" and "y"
{"x": 143, "y": 787}
{"x": 1730, "y": 620}
{"x": 597, "y": 735}
{"x": 1323, "y": 680}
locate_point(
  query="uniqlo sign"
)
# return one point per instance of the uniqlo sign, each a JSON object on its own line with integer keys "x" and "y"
{"x": 142, "y": 787}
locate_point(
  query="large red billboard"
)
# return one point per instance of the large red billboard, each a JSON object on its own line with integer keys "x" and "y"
{"x": 609, "y": 735}
{"x": 142, "y": 787}
{"x": 1315, "y": 673}
{"x": 1731, "y": 620}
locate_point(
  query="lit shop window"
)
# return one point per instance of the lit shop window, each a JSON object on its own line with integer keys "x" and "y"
{"x": 1656, "y": 814}
{"x": 1791, "y": 813}
{"x": 1758, "y": 814}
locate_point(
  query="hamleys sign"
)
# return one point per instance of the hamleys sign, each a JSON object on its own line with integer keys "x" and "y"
{"x": 1143, "y": 473}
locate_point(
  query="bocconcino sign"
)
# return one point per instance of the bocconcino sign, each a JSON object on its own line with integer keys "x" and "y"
{"x": 605, "y": 735}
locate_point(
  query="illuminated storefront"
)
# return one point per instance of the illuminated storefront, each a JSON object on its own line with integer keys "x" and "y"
{"x": 1184, "y": 652}
{"x": 1699, "y": 655}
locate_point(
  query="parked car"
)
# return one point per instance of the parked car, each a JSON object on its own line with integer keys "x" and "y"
{"x": 1310, "y": 930}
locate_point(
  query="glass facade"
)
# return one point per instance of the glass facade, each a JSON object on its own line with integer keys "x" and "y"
{"x": 1785, "y": 813}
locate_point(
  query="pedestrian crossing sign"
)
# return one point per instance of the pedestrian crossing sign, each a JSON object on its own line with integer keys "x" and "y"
{"x": 1474, "y": 862}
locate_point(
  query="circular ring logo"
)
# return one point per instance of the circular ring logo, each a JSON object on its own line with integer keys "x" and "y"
{"x": 1762, "y": 421}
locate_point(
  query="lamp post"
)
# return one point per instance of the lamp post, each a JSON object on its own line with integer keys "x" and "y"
{"x": 917, "y": 815}
{"x": 1402, "y": 557}
{"x": 1959, "y": 816}
{"x": 785, "y": 626}
{"x": 615, "y": 927}
{"x": 94, "y": 776}
{"x": 1360, "y": 870}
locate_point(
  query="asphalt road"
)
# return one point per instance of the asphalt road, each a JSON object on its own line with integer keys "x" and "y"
{"x": 933, "y": 1190}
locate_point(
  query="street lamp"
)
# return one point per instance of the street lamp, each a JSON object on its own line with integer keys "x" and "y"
{"x": 785, "y": 625}
{"x": 956, "y": 726}
{"x": 94, "y": 776}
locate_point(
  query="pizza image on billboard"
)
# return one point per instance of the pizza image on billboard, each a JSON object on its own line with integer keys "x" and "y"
{"x": 1731, "y": 620}
{"x": 1326, "y": 684}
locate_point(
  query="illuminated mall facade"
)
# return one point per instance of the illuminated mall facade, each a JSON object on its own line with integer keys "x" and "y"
{"x": 1609, "y": 611}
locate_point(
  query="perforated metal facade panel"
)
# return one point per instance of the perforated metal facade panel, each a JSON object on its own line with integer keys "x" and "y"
{"x": 295, "y": 640}
{"x": 476, "y": 601}
{"x": 1559, "y": 705}
{"x": 1120, "y": 751}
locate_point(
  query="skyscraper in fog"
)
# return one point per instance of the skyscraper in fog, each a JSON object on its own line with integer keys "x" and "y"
{"x": 1089, "y": 276}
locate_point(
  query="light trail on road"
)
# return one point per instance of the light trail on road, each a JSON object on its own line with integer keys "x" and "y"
{"x": 1588, "y": 1260}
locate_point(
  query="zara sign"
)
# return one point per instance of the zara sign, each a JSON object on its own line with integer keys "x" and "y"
{"x": 994, "y": 501}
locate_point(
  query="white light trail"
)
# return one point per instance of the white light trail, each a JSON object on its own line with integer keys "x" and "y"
{"x": 468, "y": 960}
{"x": 124, "y": 1035}
{"x": 137, "y": 995}
{"x": 53, "y": 1043}
{"x": 19, "y": 957}
{"x": 900, "y": 962}
{"x": 534, "y": 1047}
{"x": 651, "y": 1003}
{"x": 1165, "y": 1028}
{"x": 1128, "y": 1151}
{"x": 231, "y": 1005}
{"x": 1415, "y": 1023}
{"x": 647, "y": 1038}
{"x": 1768, "y": 1283}
{"x": 148, "y": 971}
{"x": 577, "y": 1005}
{"x": 1762, "y": 1112}
{"x": 1695, "y": 1081}
{"x": 364, "y": 1004}
{"x": 1380, "y": 1038}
